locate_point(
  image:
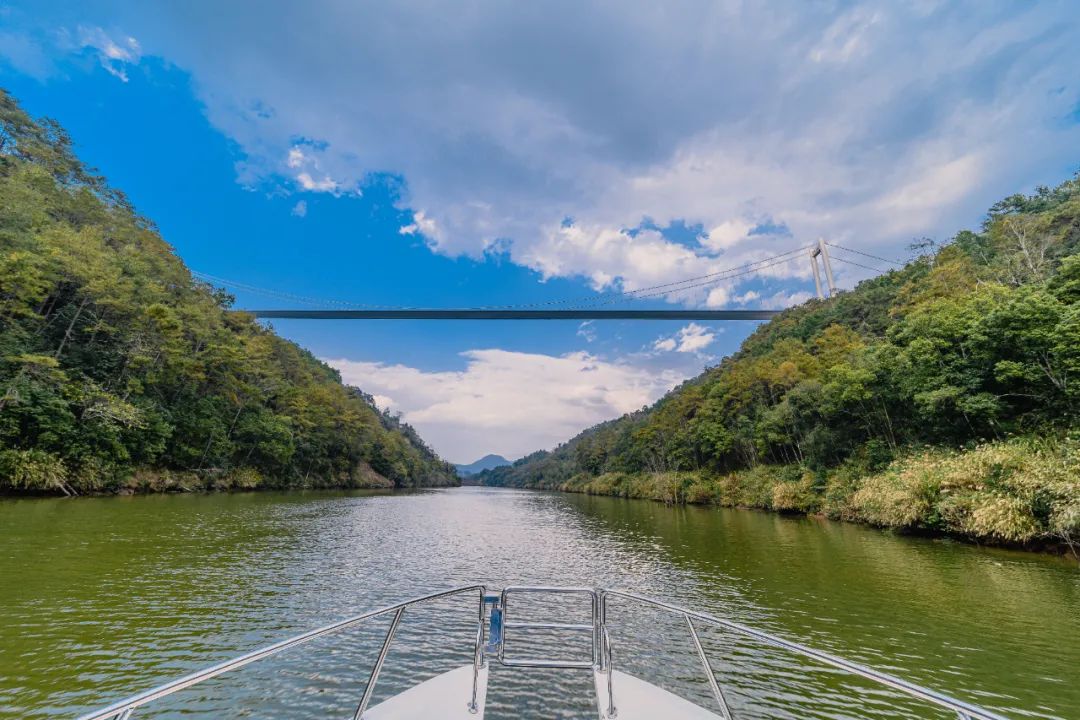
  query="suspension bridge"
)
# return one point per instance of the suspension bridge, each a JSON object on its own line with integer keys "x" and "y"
{"x": 595, "y": 307}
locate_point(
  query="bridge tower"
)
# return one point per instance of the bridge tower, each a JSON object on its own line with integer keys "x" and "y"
{"x": 821, "y": 250}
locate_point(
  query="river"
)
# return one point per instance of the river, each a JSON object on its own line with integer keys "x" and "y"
{"x": 100, "y": 597}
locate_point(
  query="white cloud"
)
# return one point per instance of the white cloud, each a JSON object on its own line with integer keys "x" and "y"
{"x": 866, "y": 124}
{"x": 424, "y": 226}
{"x": 113, "y": 54}
{"x": 509, "y": 403}
{"x": 300, "y": 209}
{"x": 781, "y": 300}
{"x": 727, "y": 234}
{"x": 295, "y": 158}
{"x": 383, "y": 402}
{"x": 305, "y": 166}
{"x": 324, "y": 184}
{"x": 718, "y": 297}
{"x": 747, "y": 297}
{"x": 904, "y": 121}
{"x": 587, "y": 330}
{"x": 691, "y": 339}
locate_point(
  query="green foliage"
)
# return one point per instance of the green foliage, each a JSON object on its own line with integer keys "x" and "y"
{"x": 975, "y": 342}
{"x": 1013, "y": 491}
{"x": 33, "y": 470}
{"x": 119, "y": 371}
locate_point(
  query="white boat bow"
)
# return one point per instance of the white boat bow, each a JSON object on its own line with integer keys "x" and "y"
{"x": 462, "y": 692}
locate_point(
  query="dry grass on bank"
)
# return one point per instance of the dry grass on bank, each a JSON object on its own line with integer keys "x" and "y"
{"x": 1020, "y": 491}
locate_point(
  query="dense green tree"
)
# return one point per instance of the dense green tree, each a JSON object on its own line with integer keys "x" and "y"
{"x": 119, "y": 370}
{"x": 971, "y": 342}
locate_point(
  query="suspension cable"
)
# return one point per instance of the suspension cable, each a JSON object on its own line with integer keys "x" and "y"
{"x": 713, "y": 281}
{"x": 277, "y": 294}
{"x": 585, "y": 301}
{"x": 864, "y": 267}
{"x": 866, "y": 254}
{"x": 633, "y": 294}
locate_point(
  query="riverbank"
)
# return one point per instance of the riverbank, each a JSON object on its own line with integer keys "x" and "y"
{"x": 36, "y": 477}
{"x": 1022, "y": 493}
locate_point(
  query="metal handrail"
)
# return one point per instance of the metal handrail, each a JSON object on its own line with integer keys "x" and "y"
{"x": 717, "y": 692}
{"x": 601, "y": 652}
{"x": 479, "y": 659}
{"x": 369, "y": 689}
{"x": 120, "y": 710}
{"x": 511, "y": 590}
{"x": 612, "y": 711}
{"x": 963, "y": 710}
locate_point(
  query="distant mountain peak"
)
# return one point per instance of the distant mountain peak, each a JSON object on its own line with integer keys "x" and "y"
{"x": 485, "y": 463}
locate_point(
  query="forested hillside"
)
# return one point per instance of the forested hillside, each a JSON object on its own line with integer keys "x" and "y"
{"x": 941, "y": 396}
{"x": 118, "y": 371}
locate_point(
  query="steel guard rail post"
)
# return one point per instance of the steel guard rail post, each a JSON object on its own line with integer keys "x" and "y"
{"x": 963, "y": 710}
{"x": 369, "y": 689}
{"x": 479, "y": 659}
{"x": 122, "y": 710}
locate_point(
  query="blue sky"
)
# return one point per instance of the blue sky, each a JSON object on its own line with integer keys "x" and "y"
{"x": 410, "y": 154}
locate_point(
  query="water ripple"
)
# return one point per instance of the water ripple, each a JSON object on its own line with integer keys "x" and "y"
{"x": 103, "y": 597}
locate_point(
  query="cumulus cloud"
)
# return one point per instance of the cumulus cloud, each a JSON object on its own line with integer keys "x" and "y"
{"x": 114, "y": 54}
{"x": 305, "y": 165}
{"x": 691, "y": 339}
{"x": 782, "y": 299}
{"x": 666, "y": 344}
{"x": 507, "y": 402}
{"x": 866, "y": 123}
{"x": 300, "y": 209}
{"x": 424, "y": 226}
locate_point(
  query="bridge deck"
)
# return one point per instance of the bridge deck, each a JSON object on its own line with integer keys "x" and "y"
{"x": 477, "y": 314}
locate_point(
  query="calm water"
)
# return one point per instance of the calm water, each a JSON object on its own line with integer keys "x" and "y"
{"x": 102, "y": 597}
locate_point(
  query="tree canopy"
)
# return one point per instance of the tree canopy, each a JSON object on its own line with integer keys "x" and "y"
{"x": 119, "y": 370}
{"x": 974, "y": 342}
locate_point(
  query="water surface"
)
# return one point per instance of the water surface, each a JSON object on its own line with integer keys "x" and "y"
{"x": 100, "y": 597}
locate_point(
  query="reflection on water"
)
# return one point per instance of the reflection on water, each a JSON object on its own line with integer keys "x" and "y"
{"x": 102, "y": 597}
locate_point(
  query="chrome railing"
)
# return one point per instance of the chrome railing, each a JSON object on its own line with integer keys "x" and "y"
{"x": 122, "y": 710}
{"x": 962, "y": 710}
{"x": 493, "y": 616}
{"x": 592, "y": 627}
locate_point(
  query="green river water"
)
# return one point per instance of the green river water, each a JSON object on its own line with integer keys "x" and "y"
{"x": 101, "y": 597}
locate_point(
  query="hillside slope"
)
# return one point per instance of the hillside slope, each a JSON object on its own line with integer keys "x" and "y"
{"x": 943, "y": 396}
{"x": 118, "y": 371}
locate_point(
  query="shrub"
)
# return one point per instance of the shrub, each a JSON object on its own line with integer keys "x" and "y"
{"x": 1002, "y": 518}
{"x": 754, "y": 487}
{"x": 148, "y": 480}
{"x": 899, "y": 498}
{"x": 34, "y": 470}
{"x": 840, "y": 486}
{"x": 237, "y": 479}
{"x": 702, "y": 492}
{"x": 1013, "y": 491}
{"x": 667, "y": 488}
{"x": 93, "y": 474}
{"x": 796, "y": 496}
